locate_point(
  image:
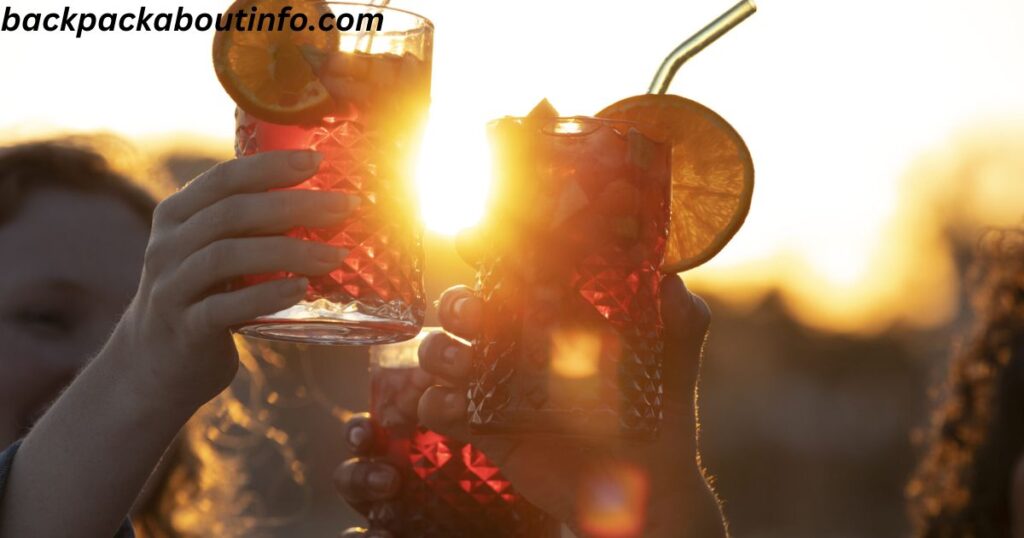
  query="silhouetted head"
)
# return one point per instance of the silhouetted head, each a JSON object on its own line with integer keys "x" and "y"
{"x": 971, "y": 480}
{"x": 73, "y": 232}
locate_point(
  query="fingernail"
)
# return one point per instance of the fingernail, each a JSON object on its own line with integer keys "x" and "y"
{"x": 381, "y": 480}
{"x": 354, "y": 202}
{"x": 304, "y": 161}
{"x": 357, "y": 436}
{"x": 329, "y": 254}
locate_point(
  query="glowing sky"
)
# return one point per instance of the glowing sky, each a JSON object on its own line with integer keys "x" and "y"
{"x": 835, "y": 99}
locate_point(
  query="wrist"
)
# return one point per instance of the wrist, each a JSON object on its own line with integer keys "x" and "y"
{"x": 140, "y": 386}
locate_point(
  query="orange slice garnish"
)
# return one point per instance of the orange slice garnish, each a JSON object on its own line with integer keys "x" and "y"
{"x": 273, "y": 75}
{"x": 712, "y": 174}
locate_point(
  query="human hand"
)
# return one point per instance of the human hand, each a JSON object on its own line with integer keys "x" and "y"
{"x": 371, "y": 481}
{"x": 366, "y": 478}
{"x": 174, "y": 338}
{"x": 567, "y": 478}
{"x": 363, "y": 479}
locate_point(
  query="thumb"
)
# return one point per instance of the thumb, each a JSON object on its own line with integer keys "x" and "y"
{"x": 686, "y": 319}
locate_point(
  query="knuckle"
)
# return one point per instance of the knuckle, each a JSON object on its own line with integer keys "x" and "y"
{"x": 450, "y": 297}
{"x": 347, "y": 477}
{"x": 429, "y": 349}
{"x": 164, "y": 211}
{"x": 252, "y": 209}
{"x": 219, "y": 172}
{"x": 429, "y": 406}
{"x": 199, "y": 318}
{"x": 360, "y": 479}
{"x": 156, "y": 253}
{"x": 271, "y": 210}
{"x": 223, "y": 216}
{"x": 220, "y": 253}
{"x": 702, "y": 313}
{"x": 160, "y": 293}
{"x": 219, "y": 176}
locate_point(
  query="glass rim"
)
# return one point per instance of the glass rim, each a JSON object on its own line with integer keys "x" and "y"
{"x": 428, "y": 23}
{"x": 545, "y": 125}
{"x": 581, "y": 119}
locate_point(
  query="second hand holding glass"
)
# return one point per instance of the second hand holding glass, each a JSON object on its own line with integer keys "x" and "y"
{"x": 568, "y": 259}
{"x": 448, "y": 489}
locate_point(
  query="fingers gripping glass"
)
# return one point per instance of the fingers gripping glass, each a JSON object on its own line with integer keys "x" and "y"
{"x": 363, "y": 107}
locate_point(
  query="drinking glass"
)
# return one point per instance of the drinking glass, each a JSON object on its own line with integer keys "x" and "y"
{"x": 449, "y": 489}
{"x": 568, "y": 268}
{"x": 380, "y": 84}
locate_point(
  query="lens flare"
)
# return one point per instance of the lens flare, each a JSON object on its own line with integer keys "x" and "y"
{"x": 612, "y": 504}
{"x": 575, "y": 354}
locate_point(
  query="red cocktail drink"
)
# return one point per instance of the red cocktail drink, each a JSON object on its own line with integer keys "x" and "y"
{"x": 379, "y": 86}
{"x": 568, "y": 270}
{"x": 449, "y": 489}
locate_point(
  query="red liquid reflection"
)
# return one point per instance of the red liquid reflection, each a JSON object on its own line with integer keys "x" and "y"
{"x": 449, "y": 489}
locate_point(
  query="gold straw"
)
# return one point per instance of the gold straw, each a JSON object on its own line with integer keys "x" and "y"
{"x": 367, "y": 37}
{"x": 727, "y": 21}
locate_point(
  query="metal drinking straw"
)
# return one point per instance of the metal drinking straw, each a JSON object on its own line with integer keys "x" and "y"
{"x": 366, "y": 40}
{"x": 718, "y": 27}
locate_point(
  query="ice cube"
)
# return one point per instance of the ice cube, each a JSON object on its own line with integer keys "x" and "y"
{"x": 384, "y": 70}
{"x": 544, "y": 109}
{"x": 619, "y": 198}
{"x": 571, "y": 201}
{"x": 355, "y": 65}
{"x": 347, "y": 91}
{"x": 315, "y": 57}
{"x": 641, "y": 149}
{"x": 605, "y": 147}
{"x": 626, "y": 228}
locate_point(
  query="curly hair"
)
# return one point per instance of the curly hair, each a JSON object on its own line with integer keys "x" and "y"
{"x": 962, "y": 486}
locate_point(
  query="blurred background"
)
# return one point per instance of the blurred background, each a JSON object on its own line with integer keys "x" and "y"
{"x": 885, "y": 136}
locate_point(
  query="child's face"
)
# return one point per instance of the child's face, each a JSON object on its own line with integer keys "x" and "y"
{"x": 69, "y": 265}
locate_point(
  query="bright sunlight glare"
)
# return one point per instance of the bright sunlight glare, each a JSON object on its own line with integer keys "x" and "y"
{"x": 836, "y": 101}
{"x": 453, "y": 176}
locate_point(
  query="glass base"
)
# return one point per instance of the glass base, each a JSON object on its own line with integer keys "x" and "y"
{"x": 312, "y": 323}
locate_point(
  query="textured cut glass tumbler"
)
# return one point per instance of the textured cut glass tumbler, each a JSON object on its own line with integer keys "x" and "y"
{"x": 380, "y": 84}
{"x": 568, "y": 267}
{"x": 449, "y": 489}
